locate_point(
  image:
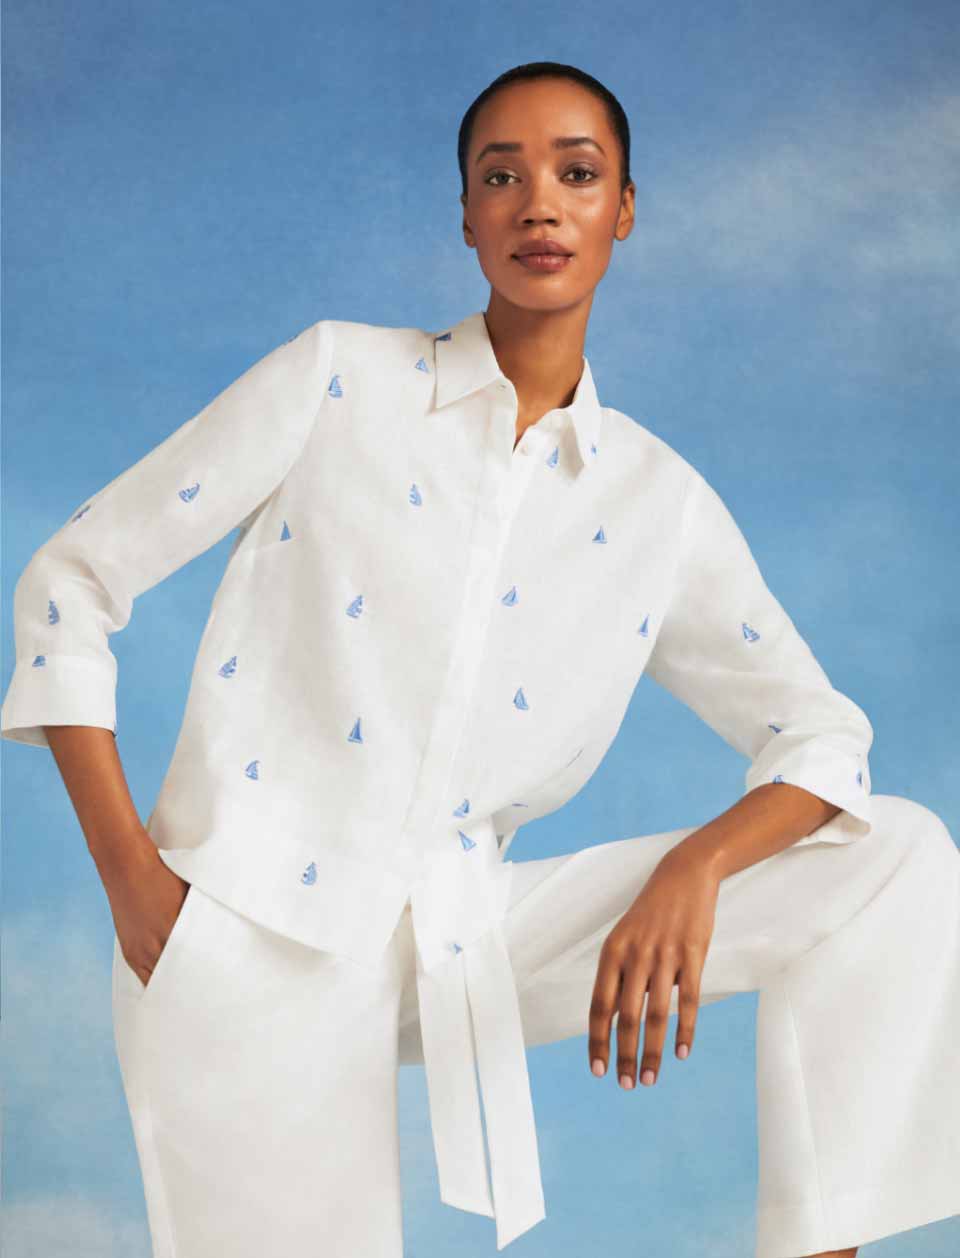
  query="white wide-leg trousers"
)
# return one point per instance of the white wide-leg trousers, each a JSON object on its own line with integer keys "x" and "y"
{"x": 261, "y": 1074}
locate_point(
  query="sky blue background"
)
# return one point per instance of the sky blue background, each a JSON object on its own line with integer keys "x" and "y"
{"x": 189, "y": 184}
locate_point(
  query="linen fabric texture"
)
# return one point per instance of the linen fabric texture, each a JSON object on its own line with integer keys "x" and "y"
{"x": 424, "y": 637}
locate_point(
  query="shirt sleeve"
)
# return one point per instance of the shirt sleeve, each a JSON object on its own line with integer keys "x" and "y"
{"x": 728, "y": 650}
{"x": 177, "y": 501}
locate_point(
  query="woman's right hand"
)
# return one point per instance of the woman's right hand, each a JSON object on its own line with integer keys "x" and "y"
{"x": 146, "y": 897}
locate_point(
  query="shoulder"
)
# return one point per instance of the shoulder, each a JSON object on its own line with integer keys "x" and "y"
{"x": 644, "y": 452}
{"x": 355, "y": 342}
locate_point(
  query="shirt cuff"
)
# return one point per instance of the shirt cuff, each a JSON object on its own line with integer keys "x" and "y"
{"x": 58, "y": 690}
{"x": 835, "y": 773}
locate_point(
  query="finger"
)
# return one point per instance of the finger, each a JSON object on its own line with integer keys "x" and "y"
{"x": 658, "y": 1013}
{"x": 603, "y": 1004}
{"x": 629, "y": 1017}
{"x": 688, "y": 1002}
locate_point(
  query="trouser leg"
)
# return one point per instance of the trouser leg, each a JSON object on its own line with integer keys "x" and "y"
{"x": 261, "y": 1080}
{"x": 854, "y": 952}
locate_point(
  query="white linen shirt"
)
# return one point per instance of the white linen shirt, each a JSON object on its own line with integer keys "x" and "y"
{"x": 423, "y": 638}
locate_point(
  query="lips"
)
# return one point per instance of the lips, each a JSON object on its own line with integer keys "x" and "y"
{"x": 546, "y": 245}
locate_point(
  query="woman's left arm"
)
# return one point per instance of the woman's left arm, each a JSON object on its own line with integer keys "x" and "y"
{"x": 728, "y": 650}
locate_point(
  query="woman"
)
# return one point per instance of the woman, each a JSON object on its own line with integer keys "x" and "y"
{"x": 453, "y": 566}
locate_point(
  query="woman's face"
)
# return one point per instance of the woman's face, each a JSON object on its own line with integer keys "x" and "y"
{"x": 522, "y": 185}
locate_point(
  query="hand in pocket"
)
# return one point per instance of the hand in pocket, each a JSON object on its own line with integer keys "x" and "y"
{"x": 146, "y": 900}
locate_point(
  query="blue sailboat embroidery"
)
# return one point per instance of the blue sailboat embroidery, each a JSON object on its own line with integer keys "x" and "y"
{"x": 356, "y": 607}
{"x": 188, "y": 495}
{"x": 228, "y": 669}
{"x": 859, "y": 777}
{"x": 776, "y": 728}
{"x": 421, "y": 365}
{"x": 509, "y": 599}
{"x": 335, "y": 389}
{"x": 600, "y": 536}
{"x": 520, "y": 699}
{"x": 39, "y": 661}
{"x": 778, "y": 778}
{"x": 309, "y": 875}
{"x": 284, "y": 532}
{"x": 355, "y": 736}
{"x": 415, "y": 499}
{"x": 53, "y": 614}
{"x": 462, "y": 809}
{"x": 554, "y": 457}
{"x": 456, "y": 947}
{"x": 644, "y": 629}
{"x": 253, "y": 770}
{"x": 751, "y": 635}
{"x": 466, "y": 842}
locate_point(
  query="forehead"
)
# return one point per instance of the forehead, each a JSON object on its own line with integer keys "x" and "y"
{"x": 538, "y": 110}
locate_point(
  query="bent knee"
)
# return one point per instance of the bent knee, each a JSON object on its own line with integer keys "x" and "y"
{"x": 910, "y": 822}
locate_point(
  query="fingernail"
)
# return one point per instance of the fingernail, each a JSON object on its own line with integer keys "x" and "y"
{"x": 597, "y": 1066}
{"x": 682, "y": 1051}
{"x": 647, "y": 1077}
{"x": 626, "y": 1081}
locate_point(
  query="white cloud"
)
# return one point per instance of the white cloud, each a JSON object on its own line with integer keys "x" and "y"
{"x": 864, "y": 195}
{"x": 61, "y": 1226}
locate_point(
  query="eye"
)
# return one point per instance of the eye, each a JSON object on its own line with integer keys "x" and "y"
{"x": 586, "y": 170}
{"x": 493, "y": 175}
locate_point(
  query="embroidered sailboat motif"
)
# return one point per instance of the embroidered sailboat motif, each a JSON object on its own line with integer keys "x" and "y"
{"x": 415, "y": 499}
{"x": 520, "y": 699}
{"x": 456, "y": 947}
{"x": 751, "y": 635}
{"x": 356, "y": 607}
{"x": 335, "y": 389}
{"x": 600, "y": 536}
{"x": 554, "y": 457}
{"x": 778, "y": 778}
{"x": 309, "y": 875}
{"x": 421, "y": 365}
{"x": 466, "y": 842}
{"x": 285, "y": 532}
{"x": 510, "y": 598}
{"x": 228, "y": 669}
{"x": 253, "y": 770}
{"x": 188, "y": 495}
{"x": 776, "y": 728}
{"x": 82, "y": 511}
{"x": 644, "y": 629}
{"x": 53, "y": 614}
{"x": 859, "y": 777}
{"x": 39, "y": 661}
{"x": 355, "y": 736}
{"x": 462, "y": 809}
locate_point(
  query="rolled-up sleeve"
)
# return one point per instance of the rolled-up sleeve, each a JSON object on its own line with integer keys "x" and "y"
{"x": 177, "y": 501}
{"x": 728, "y": 650}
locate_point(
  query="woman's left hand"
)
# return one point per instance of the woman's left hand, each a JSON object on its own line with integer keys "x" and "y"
{"x": 661, "y": 941}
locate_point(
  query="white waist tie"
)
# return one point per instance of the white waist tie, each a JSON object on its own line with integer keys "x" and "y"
{"x": 464, "y": 976}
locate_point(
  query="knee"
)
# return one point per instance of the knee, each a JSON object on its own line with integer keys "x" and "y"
{"x": 912, "y": 823}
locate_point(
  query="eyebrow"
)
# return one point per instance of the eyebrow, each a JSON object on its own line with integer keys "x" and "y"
{"x": 562, "y": 142}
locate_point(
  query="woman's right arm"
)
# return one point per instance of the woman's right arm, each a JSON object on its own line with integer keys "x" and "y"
{"x": 182, "y": 497}
{"x": 145, "y": 896}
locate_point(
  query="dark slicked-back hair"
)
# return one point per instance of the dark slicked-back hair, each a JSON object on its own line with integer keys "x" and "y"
{"x": 543, "y": 70}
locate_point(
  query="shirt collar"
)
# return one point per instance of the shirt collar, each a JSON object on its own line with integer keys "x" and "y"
{"x": 465, "y": 362}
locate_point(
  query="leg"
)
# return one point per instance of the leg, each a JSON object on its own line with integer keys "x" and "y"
{"x": 261, "y": 1080}
{"x": 854, "y": 951}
